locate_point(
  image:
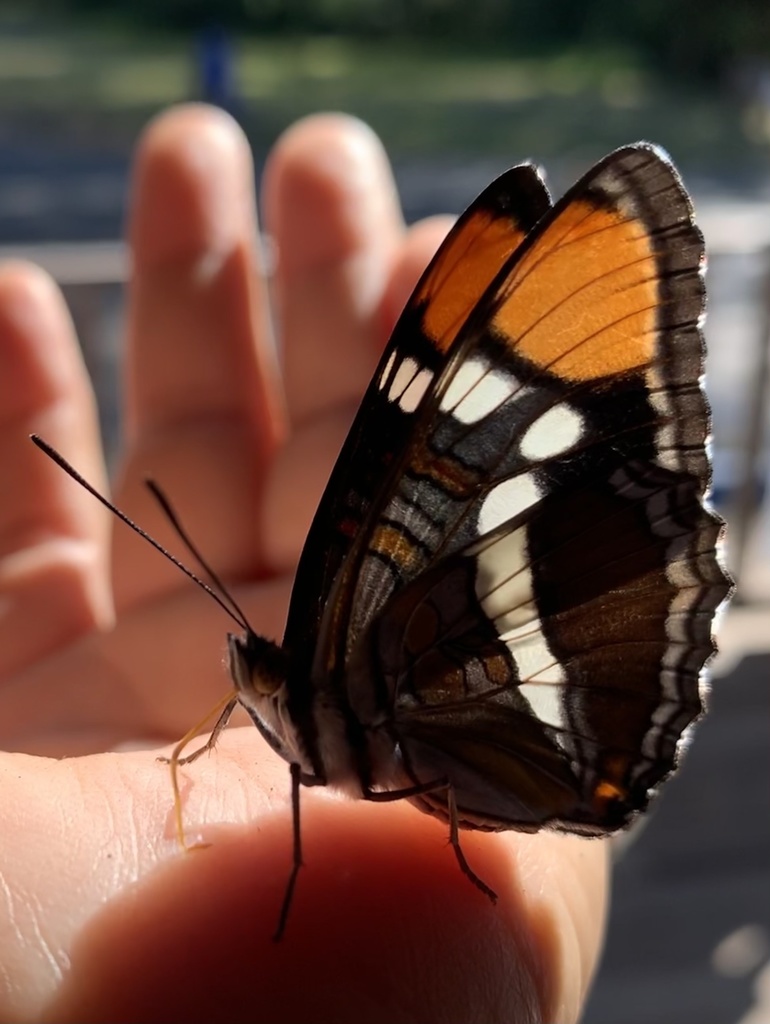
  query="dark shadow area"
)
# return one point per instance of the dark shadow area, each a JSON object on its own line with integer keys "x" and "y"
{"x": 699, "y": 871}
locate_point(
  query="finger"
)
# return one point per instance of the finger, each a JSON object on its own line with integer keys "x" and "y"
{"x": 381, "y": 905}
{"x": 331, "y": 207}
{"x": 310, "y": 452}
{"x": 150, "y": 680}
{"x": 53, "y": 539}
{"x": 204, "y": 408}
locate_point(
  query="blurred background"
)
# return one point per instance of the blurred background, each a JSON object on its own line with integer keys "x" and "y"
{"x": 459, "y": 92}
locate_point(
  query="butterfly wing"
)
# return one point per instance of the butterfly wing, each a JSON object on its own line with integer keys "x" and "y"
{"x": 550, "y": 669}
{"x": 479, "y": 244}
{"x": 529, "y": 601}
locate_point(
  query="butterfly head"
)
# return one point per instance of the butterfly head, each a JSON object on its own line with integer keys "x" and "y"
{"x": 258, "y": 668}
{"x": 257, "y": 665}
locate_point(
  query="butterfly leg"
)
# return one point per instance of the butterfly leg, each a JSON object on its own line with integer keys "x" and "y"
{"x": 298, "y": 778}
{"x": 175, "y": 761}
{"x": 288, "y": 896}
{"x": 454, "y": 827}
{"x": 230, "y": 703}
{"x": 454, "y": 839}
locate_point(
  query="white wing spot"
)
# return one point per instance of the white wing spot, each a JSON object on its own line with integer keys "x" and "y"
{"x": 553, "y": 433}
{"x": 386, "y": 372}
{"x": 504, "y": 582}
{"x": 505, "y": 592}
{"x": 476, "y": 391}
{"x": 545, "y": 701}
{"x": 409, "y": 384}
{"x": 536, "y": 663}
{"x": 507, "y": 500}
{"x": 415, "y": 390}
{"x": 405, "y": 374}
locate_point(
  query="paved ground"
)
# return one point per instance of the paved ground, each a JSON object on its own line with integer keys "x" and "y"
{"x": 689, "y": 935}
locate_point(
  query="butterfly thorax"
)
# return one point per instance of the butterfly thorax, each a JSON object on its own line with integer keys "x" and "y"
{"x": 318, "y": 732}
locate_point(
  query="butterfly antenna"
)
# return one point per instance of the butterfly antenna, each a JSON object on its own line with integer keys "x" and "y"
{"x": 184, "y": 536}
{"x": 240, "y": 618}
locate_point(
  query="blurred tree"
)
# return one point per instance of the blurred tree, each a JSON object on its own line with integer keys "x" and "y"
{"x": 693, "y": 39}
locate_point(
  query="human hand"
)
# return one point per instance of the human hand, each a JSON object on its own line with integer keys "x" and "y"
{"x": 104, "y": 645}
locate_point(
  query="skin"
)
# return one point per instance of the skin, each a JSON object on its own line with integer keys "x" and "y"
{"x": 105, "y": 647}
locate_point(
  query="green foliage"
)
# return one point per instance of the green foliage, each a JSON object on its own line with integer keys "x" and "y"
{"x": 691, "y": 39}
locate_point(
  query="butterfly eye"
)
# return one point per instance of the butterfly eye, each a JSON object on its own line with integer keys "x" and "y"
{"x": 256, "y": 665}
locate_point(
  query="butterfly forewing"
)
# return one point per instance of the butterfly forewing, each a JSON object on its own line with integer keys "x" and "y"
{"x": 479, "y": 244}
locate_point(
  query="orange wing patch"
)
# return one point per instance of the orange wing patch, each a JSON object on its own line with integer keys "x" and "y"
{"x": 581, "y": 302}
{"x": 463, "y": 272}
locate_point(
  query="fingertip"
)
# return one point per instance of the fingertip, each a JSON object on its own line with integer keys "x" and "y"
{"x": 327, "y": 187}
{"x": 21, "y": 276}
{"x": 192, "y": 180}
{"x": 39, "y": 355}
{"x": 566, "y": 881}
{"x": 335, "y": 143}
{"x": 383, "y": 923}
{"x": 330, "y": 206}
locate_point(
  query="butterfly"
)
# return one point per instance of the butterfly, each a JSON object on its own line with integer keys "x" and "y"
{"x": 504, "y": 605}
